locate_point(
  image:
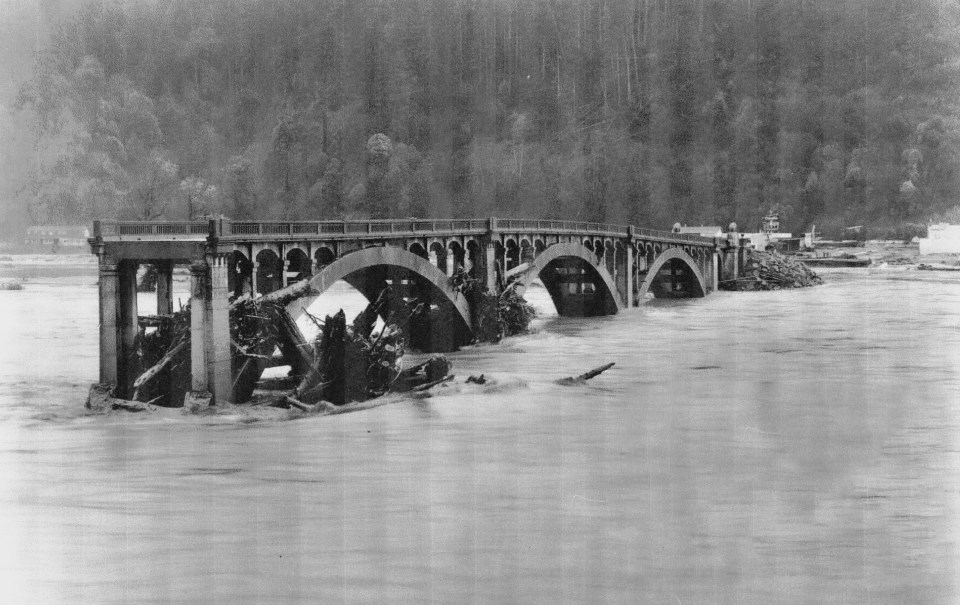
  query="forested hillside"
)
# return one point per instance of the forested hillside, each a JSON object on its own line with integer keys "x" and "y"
{"x": 640, "y": 111}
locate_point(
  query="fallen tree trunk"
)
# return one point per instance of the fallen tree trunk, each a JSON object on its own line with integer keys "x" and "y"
{"x": 582, "y": 378}
{"x": 429, "y": 385}
{"x": 154, "y": 371}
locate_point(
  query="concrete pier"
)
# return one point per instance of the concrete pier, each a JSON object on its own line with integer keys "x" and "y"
{"x": 219, "y": 380}
{"x": 109, "y": 335}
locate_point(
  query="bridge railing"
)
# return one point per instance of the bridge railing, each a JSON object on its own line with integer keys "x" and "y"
{"x": 513, "y": 224}
{"x": 693, "y": 238}
{"x": 157, "y": 229}
{"x": 222, "y": 228}
{"x": 377, "y": 227}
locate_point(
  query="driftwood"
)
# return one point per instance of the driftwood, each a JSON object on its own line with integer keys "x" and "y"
{"x": 284, "y": 296}
{"x": 582, "y": 378}
{"x": 429, "y": 385}
{"x": 154, "y": 371}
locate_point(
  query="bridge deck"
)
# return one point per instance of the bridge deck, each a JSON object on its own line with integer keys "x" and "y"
{"x": 249, "y": 231}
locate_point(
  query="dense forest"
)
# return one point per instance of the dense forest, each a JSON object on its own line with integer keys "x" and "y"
{"x": 641, "y": 111}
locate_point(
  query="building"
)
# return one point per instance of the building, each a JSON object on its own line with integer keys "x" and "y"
{"x": 57, "y": 238}
{"x": 704, "y": 230}
{"x": 942, "y": 238}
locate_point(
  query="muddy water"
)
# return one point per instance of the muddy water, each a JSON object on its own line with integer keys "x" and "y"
{"x": 783, "y": 447}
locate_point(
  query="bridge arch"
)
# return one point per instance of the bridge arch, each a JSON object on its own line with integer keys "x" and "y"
{"x": 557, "y": 261}
{"x": 695, "y": 284}
{"x": 350, "y": 268}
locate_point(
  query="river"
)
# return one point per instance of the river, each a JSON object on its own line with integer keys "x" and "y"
{"x": 782, "y": 447}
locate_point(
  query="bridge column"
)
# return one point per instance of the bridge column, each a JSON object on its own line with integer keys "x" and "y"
{"x": 253, "y": 279}
{"x": 490, "y": 260}
{"x": 630, "y": 252}
{"x": 451, "y": 263}
{"x": 198, "y": 323}
{"x": 164, "y": 287}
{"x": 109, "y": 336}
{"x": 219, "y": 377}
{"x": 715, "y": 269}
{"x": 128, "y": 326}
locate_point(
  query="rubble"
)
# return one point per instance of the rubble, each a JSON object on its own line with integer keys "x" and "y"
{"x": 771, "y": 271}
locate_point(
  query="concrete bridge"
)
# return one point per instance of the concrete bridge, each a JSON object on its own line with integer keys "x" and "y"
{"x": 588, "y": 269}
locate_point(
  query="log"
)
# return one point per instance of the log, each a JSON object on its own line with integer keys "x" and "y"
{"x": 156, "y": 369}
{"x": 284, "y": 296}
{"x": 582, "y": 378}
{"x": 303, "y": 407}
{"x": 429, "y": 385}
{"x": 296, "y": 350}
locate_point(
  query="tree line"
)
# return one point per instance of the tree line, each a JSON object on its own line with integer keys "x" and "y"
{"x": 629, "y": 111}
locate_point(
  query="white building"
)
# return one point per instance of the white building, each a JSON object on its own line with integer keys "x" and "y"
{"x": 57, "y": 238}
{"x": 942, "y": 238}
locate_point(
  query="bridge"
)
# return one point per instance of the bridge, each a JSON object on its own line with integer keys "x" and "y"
{"x": 588, "y": 269}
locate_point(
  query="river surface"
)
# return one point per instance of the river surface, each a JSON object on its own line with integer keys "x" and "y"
{"x": 784, "y": 447}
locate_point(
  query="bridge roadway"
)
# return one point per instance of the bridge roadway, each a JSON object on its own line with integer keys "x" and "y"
{"x": 588, "y": 269}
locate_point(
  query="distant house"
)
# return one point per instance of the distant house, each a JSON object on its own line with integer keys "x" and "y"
{"x": 942, "y": 238}
{"x": 57, "y": 238}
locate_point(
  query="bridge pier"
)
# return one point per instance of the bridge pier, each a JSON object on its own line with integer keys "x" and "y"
{"x": 210, "y": 329}
{"x": 128, "y": 325}
{"x": 109, "y": 335}
{"x": 199, "y": 380}
{"x": 164, "y": 287}
{"x": 219, "y": 377}
{"x": 490, "y": 265}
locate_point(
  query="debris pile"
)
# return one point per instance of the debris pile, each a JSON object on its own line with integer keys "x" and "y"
{"x": 494, "y": 317}
{"x": 355, "y": 363}
{"x": 771, "y": 271}
{"x": 345, "y": 363}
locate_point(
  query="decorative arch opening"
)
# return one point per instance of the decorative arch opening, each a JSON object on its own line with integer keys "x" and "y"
{"x": 610, "y": 257}
{"x": 512, "y": 254}
{"x": 456, "y": 256}
{"x": 438, "y": 256}
{"x": 499, "y": 256}
{"x": 324, "y": 256}
{"x": 473, "y": 258}
{"x": 526, "y": 251}
{"x": 269, "y": 272}
{"x": 419, "y": 250}
{"x": 298, "y": 266}
{"x": 239, "y": 272}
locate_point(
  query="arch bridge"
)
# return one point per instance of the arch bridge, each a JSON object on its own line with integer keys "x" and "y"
{"x": 588, "y": 268}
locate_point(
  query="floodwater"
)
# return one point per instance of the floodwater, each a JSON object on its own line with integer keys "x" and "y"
{"x": 784, "y": 447}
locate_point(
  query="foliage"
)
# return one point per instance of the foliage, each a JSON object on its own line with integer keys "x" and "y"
{"x": 703, "y": 111}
